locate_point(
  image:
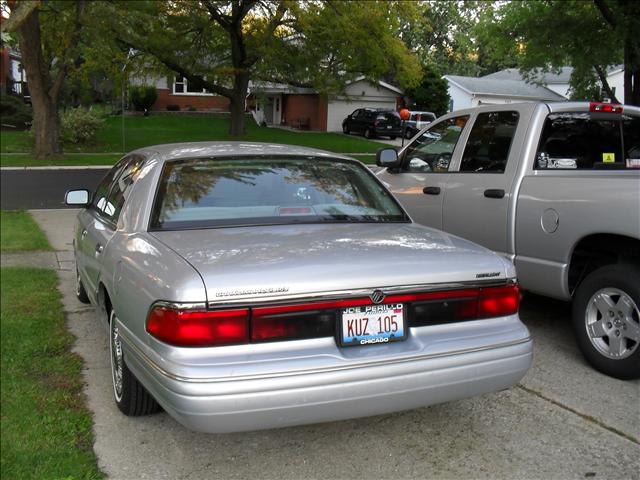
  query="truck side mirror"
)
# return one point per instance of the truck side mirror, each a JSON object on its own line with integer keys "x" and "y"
{"x": 388, "y": 158}
{"x": 77, "y": 198}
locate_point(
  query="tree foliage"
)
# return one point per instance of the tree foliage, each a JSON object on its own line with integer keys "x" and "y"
{"x": 221, "y": 45}
{"x": 432, "y": 93}
{"x": 542, "y": 36}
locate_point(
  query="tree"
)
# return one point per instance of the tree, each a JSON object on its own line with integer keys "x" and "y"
{"x": 432, "y": 93}
{"x": 221, "y": 45}
{"x": 48, "y": 35}
{"x": 542, "y": 36}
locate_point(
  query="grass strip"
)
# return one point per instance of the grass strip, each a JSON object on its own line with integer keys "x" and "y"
{"x": 46, "y": 427}
{"x": 19, "y": 232}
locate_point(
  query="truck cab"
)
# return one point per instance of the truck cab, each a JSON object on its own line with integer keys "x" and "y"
{"x": 553, "y": 187}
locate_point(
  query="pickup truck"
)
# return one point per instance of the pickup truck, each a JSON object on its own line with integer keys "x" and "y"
{"x": 553, "y": 187}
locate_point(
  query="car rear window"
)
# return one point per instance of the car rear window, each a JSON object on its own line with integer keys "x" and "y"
{"x": 203, "y": 193}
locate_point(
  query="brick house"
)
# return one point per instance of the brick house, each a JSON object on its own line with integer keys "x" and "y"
{"x": 279, "y": 104}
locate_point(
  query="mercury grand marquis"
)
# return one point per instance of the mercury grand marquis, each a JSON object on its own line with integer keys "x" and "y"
{"x": 249, "y": 286}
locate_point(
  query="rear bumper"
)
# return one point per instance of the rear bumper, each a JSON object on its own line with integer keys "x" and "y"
{"x": 386, "y": 132}
{"x": 232, "y": 405}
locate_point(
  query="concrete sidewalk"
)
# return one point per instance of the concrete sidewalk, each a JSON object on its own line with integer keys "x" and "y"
{"x": 563, "y": 421}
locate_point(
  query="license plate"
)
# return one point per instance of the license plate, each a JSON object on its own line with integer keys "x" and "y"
{"x": 373, "y": 324}
{"x": 389, "y": 126}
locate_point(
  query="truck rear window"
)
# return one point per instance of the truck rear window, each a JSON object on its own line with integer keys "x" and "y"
{"x": 589, "y": 141}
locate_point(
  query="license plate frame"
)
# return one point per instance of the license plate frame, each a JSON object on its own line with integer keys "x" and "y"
{"x": 372, "y": 313}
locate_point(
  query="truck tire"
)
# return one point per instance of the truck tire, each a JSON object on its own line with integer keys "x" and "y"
{"x": 606, "y": 320}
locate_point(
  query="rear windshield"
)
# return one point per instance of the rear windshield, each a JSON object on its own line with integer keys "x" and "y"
{"x": 204, "y": 193}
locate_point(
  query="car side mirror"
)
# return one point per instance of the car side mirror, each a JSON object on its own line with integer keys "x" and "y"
{"x": 388, "y": 158}
{"x": 77, "y": 198}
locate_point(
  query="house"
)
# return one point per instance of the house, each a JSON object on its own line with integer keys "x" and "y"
{"x": 468, "y": 92}
{"x": 560, "y": 82}
{"x": 13, "y": 78}
{"x": 280, "y": 104}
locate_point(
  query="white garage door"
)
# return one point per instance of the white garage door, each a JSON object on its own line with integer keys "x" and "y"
{"x": 337, "y": 110}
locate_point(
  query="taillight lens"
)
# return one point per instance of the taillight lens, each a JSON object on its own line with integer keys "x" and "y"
{"x": 193, "y": 328}
{"x": 498, "y": 301}
{"x": 605, "y": 107}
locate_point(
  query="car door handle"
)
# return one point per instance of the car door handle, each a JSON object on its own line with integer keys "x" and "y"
{"x": 99, "y": 249}
{"x": 494, "y": 193}
{"x": 431, "y": 190}
{"x": 83, "y": 234}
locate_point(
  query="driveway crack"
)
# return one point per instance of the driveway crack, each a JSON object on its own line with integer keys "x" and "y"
{"x": 584, "y": 416}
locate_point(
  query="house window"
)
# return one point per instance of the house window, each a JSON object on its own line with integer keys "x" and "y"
{"x": 181, "y": 85}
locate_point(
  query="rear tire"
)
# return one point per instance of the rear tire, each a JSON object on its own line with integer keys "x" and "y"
{"x": 131, "y": 397}
{"x": 81, "y": 293}
{"x": 392, "y": 137}
{"x": 368, "y": 133}
{"x": 408, "y": 134}
{"x": 606, "y": 320}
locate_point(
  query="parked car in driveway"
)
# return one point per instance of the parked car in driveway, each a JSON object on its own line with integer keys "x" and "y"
{"x": 249, "y": 286}
{"x": 372, "y": 123}
{"x": 417, "y": 121}
{"x": 553, "y": 187}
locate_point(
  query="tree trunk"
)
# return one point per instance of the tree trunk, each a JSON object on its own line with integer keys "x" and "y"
{"x": 45, "y": 109}
{"x": 238, "y": 98}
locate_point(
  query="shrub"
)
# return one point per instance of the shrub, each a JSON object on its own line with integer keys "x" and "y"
{"x": 191, "y": 109}
{"x": 79, "y": 125}
{"x": 173, "y": 108}
{"x": 15, "y": 112}
{"x": 143, "y": 96}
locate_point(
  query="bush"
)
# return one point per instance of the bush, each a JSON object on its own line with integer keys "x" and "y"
{"x": 79, "y": 125}
{"x": 173, "y": 108}
{"x": 143, "y": 96}
{"x": 14, "y": 112}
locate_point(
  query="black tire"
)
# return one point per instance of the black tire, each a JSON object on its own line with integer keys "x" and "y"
{"x": 368, "y": 133}
{"x": 611, "y": 283}
{"x": 131, "y": 398}
{"x": 81, "y": 293}
{"x": 392, "y": 137}
{"x": 345, "y": 129}
{"x": 408, "y": 134}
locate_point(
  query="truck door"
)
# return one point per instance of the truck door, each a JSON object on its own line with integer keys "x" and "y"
{"x": 421, "y": 180}
{"x": 479, "y": 191}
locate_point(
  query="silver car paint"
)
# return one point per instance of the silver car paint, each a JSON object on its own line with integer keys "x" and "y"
{"x": 587, "y": 202}
{"x": 286, "y": 383}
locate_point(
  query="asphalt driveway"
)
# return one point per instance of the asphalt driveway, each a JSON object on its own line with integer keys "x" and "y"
{"x": 563, "y": 421}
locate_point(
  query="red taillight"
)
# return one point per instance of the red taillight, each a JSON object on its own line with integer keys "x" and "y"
{"x": 192, "y": 328}
{"x": 498, "y": 301}
{"x": 605, "y": 107}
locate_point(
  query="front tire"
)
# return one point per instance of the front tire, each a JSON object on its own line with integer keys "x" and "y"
{"x": 81, "y": 293}
{"x": 345, "y": 129}
{"x": 606, "y": 320}
{"x": 131, "y": 397}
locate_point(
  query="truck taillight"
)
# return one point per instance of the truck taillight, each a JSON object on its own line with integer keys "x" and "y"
{"x": 198, "y": 328}
{"x": 605, "y": 107}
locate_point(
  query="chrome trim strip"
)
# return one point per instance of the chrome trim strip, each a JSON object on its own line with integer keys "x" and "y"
{"x": 179, "y": 306}
{"x": 361, "y": 292}
{"x": 151, "y": 364}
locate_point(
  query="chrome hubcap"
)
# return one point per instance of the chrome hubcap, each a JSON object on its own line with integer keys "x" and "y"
{"x": 612, "y": 320}
{"x": 116, "y": 359}
{"x": 77, "y": 283}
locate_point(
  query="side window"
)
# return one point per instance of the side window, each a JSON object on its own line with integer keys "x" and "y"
{"x": 631, "y": 139}
{"x": 432, "y": 151}
{"x": 581, "y": 141}
{"x": 100, "y": 196}
{"x": 120, "y": 189}
{"x": 487, "y": 149}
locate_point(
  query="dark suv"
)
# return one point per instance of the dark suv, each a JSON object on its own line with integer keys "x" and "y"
{"x": 373, "y": 123}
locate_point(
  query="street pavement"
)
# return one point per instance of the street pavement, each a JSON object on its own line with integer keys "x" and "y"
{"x": 564, "y": 420}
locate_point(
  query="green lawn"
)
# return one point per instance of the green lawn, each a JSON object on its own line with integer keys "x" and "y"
{"x": 156, "y": 129}
{"x": 46, "y": 427}
{"x": 19, "y": 232}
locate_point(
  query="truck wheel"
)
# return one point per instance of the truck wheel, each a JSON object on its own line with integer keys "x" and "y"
{"x": 131, "y": 397}
{"x": 606, "y": 320}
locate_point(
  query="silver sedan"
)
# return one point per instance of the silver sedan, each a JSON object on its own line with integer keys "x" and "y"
{"x": 249, "y": 286}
